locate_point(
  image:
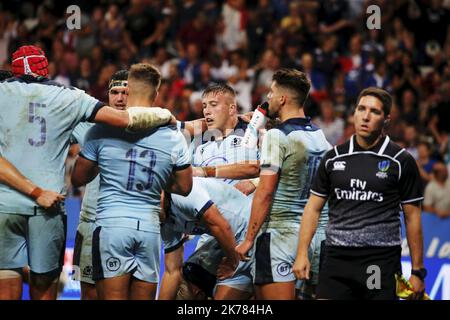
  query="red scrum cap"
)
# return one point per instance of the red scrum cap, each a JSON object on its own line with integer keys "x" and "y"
{"x": 29, "y": 59}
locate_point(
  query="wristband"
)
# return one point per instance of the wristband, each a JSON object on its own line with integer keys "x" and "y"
{"x": 210, "y": 171}
{"x": 36, "y": 193}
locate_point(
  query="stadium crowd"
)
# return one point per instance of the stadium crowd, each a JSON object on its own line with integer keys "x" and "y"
{"x": 243, "y": 42}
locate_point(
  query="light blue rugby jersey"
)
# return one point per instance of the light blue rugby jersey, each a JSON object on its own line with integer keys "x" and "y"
{"x": 134, "y": 168}
{"x": 37, "y": 117}
{"x": 227, "y": 151}
{"x": 89, "y": 203}
{"x": 294, "y": 149}
{"x": 185, "y": 212}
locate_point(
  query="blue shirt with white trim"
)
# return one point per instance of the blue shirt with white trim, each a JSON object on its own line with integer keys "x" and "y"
{"x": 134, "y": 168}
{"x": 37, "y": 116}
{"x": 294, "y": 150}
{"x": 184, "y": 216}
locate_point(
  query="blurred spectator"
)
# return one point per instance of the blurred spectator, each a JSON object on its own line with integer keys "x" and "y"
{"x": 396, "y": 127}
{"x": 113, "y": 35}
{"x": 189, "y": 66}
{"x": 425, "y": 162}
{"x": 235, "y": 19}
{"x": 242, "y": 43}
{"x": 318, "y": 82}
{"x": 264, "y": 71}
{"x": 199, "y": 32}
{"x": 437, "y": 192}
{"x": 332, "y": 127}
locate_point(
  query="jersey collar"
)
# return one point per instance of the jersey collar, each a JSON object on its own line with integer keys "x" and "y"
{"x": 379, "y": 148}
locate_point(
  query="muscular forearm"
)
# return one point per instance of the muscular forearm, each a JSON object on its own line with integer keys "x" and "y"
{"x": 224, "y": 235}
{"x": 307, "y": 229}
{"x": 414, "y": 235}
{"x": 10, "y": 176}
{"x": 260, "y": 210}
{"x": 244, "y": 170}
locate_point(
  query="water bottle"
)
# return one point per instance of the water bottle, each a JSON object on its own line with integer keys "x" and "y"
{"x": 257, "y": 122}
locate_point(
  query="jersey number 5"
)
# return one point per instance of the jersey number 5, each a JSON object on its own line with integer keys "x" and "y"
{"x": 144, "y": 168}
{"x": 40, "y": 121}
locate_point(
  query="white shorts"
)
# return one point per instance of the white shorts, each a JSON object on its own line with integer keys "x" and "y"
{"x": 274, "y": 255}
{"x": 119, "y": 250}
{"x": 82, "y": 252}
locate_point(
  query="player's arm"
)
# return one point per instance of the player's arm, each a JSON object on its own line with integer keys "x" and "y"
{"x": 413, "y": 224}
{"x": 241, "y": 170}
{"x": 10, "y": 176}
{"x": 194, "y": 127}
{"x": 308, "y": 228}
{"x": 84, "y": 171}
{"x": 173, "y": 263}
{"x": 261, "y": 204}
{"x": 181, "y": 181}
{"x": 134, "y": 118}
{"x": 221, "y": 230}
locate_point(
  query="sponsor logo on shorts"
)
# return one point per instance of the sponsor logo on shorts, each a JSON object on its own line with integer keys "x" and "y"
{"x": 113, "y": 264}
{"x": 339, "y": 166}
{"x": 87, "y": 271}
{"x": 284, "y": 269}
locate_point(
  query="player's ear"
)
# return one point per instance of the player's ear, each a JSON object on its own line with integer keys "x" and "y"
{"x": 387, "y": 120}
{"x": 233, "y": 109}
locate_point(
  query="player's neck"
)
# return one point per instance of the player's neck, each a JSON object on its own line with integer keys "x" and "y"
{"x": 139, "y": 101}
{"x": 229, "y": 127}
{"x": 368, "y": 142}
{"x": 290, "y": 112}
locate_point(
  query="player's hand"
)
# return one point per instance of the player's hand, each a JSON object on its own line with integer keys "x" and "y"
{"x": 49, "y": 199}
{"x": 302, "y": 267}
{"x": 245, "y": 186}
{"x": 246, "y": 117}
{"x": 418, "y": 287}
{"x": 227, "y": 267}
{"x": 198, "y": 172}
{"x": 243, "y": 248}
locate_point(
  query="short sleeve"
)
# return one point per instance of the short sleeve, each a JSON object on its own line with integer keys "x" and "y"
{"x": 196, "y": 202}
{"x": 410, "y": 184}
{"x": 321, "y": 182}
{"x": 87, "y": 106}
{"x": 183, "y": 155}
{"x": 273, "y": 150}
{"x": 90, "y": 147}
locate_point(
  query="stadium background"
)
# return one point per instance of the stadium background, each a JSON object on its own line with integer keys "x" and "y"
{"x": 242, "y": 43}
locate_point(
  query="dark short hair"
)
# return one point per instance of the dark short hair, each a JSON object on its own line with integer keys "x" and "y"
{"x": 380, "y": 94}
{"x": 219, "y": 88}
{"x": 120, "y": 75}
{"x": 119, "y": 78}
{"x": 146, "y": 73}
{"x": 295, "y": 81}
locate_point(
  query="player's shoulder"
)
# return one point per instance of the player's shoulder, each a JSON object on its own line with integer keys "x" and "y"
{"x": 98, "y": 131}
{"x": 339, "y": 150}
{"x": 28, "y": 79}
{"x": 297, "y": 124}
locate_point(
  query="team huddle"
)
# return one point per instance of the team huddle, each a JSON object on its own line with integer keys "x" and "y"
{"x": 259, "y": 206}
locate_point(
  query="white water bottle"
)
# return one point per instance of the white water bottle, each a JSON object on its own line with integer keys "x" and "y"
{"x": 257, "y": 122}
